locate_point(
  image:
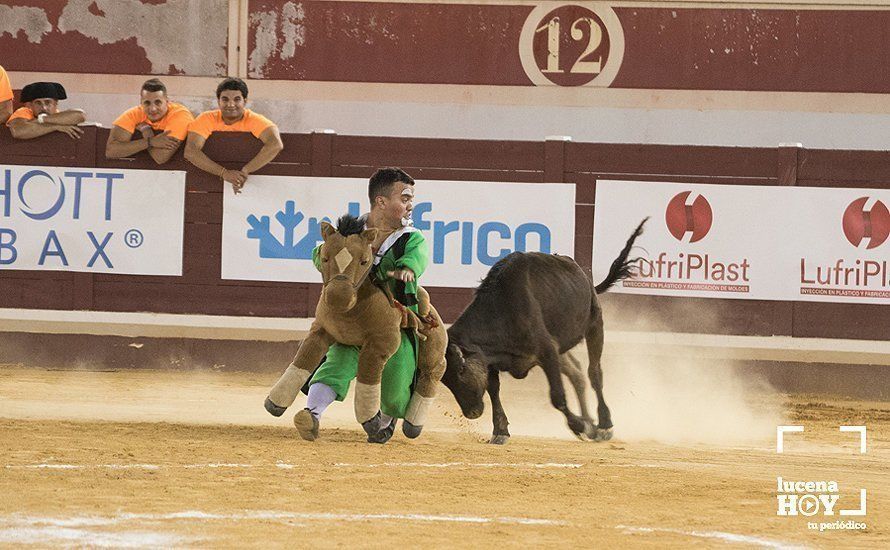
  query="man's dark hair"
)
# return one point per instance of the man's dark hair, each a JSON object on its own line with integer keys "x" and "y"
{"x": 154, "y": 85}
{"x": 383, "y": 179}
{"x": 232, "y": 83}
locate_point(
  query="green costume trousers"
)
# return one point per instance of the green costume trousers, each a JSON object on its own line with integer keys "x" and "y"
{"x": 341, "y": 366}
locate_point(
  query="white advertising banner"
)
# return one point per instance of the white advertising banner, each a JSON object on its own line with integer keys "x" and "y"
{"x": 753, "y": 242}
{"x": 271, "y": 228}
{"x": 841, "y": 251}
{"x": 91, "y": 219}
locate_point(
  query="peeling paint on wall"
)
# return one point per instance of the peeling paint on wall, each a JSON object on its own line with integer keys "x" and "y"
{"x": 180, "y": 36}
{"x": 268, "y": 30}
{"x": 33, "y": 22}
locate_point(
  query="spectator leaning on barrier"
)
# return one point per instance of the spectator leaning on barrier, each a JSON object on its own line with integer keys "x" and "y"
{"x": 155, "y": 113}
{"x": 5, "y": 96}
{"x": 41, "y": 114}
{"x": 232, "y": 116}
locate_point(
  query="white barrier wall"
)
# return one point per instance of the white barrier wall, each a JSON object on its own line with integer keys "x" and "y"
{"x": 767, "y": 243}
{"x": 91, "y": 220}
{"x": 270, "y": 229}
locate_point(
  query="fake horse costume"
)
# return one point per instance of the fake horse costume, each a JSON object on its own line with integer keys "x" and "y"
{"x": 358, "y": 327}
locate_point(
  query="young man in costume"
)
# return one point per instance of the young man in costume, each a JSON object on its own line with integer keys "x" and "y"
{"x": 401, "y": 257}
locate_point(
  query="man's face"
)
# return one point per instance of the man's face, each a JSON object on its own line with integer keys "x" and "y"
{"x": 231, "y": 104}
{"x": 154, "y": 105}
{"x": 44, "y": 105}
{"x": 398, "y": 205}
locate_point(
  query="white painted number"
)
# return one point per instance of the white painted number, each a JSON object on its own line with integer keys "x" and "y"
{"x": 594, "y": 41}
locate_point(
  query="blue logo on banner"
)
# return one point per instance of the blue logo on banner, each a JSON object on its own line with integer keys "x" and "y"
{"x": 485, "y": 243}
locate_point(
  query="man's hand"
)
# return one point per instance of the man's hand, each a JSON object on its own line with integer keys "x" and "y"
{"x": 163, "y": 141}
{"x": 146, "y": 131}
{"x": 404, "y": 275}
{"x": 71, "y": 131}
{"x": 236, "y": 177}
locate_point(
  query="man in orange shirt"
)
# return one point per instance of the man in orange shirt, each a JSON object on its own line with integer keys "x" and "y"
{"x": 232, "y": 116}
{"x": 5, "y": 96}
{"x": 155, "y": 113}
{"x": 41, "y": 114}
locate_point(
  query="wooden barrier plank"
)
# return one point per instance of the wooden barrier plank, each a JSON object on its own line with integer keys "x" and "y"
{"x": 836, "y": 320}
{"x": 656, "y": 161}
{"x": 438, "y": 153}
{"x": 36, "y": 293}
{"x": 418, "y": 173}
{"x": 209, "y": 299}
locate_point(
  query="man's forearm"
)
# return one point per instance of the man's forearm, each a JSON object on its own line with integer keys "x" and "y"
{"x": 266, "y": 155}
{"x": 160, "y": 156}
{"x": 120, "y": 149}
{"x": 30, "y": 130}
{"x": 65, "y": 118}
{"x": 202, "y": 161}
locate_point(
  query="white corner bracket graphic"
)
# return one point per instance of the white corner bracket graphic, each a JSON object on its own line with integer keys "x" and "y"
{"x": 861, "y": 510}
{"x": 780, "y": 436}
{"x": 861, "y": 430}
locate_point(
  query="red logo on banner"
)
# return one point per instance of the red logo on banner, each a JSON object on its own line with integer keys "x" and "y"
{"x": 684, "y": 217}
{"x": 860, "y": 224}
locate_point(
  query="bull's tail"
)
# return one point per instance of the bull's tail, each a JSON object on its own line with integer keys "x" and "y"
{"x": 621, "y": 267}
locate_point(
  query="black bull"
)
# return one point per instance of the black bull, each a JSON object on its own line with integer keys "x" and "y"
{"x": 530, "y": 310}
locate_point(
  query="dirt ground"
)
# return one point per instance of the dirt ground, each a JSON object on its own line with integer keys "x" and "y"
{"x": 190, "y": 459}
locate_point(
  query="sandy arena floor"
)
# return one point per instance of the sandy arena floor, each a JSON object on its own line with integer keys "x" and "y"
{"x": 176, "y": 459}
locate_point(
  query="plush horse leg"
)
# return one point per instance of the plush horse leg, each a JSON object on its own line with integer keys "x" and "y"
{"x": 430, "y": 366}
{"x": 501, "y": 434}
{"x": 310, "y": 354}
{"x": 571, "y": 367}
{"x": 595, "y": 373}
{"x": 371, "y": 360}
{"x": 549, "y": 360}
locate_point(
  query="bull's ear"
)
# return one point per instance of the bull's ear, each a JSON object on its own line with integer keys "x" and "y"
{"x": 370, "y": 235}
{"x": 326, "y": 230}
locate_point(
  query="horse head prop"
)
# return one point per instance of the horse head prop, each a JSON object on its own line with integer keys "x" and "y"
{"x": 346, "y": 260}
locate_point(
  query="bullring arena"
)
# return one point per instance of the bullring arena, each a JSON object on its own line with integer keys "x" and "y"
{"x": 147, "y": 307}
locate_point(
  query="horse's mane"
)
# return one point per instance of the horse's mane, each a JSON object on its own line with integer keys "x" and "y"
{"x": 350, "y": 225}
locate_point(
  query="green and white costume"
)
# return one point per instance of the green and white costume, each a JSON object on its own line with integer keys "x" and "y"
{"x": 406, "y": 248}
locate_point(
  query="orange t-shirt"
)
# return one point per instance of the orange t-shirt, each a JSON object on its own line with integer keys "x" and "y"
{"x": 5, "y": 87}
{"x": 211, "y": 121}
{"x": 176, "y": 121}
{"x": 23, "y": 113}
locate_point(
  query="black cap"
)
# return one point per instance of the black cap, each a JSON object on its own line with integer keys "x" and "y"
{"x": 40, "y": 90}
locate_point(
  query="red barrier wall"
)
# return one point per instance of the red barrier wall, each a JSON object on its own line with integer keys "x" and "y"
{"x": 200, "y": 289}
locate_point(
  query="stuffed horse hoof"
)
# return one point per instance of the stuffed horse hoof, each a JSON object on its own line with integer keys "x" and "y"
{"x": 499, "y": 439}
{"x": 374, "y": 425}
{"x": 410, "y": 430}
{"x": 274, "y": 409}
{"x": 383, "y": 435}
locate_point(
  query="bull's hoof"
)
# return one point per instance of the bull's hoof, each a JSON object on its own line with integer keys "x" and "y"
{"x": 307, "y": 425}
{"x": 274, "y": 409}
{"x": 383, "y": 435}
{"x": 374, "y": 425}
{"x": 410, "y": 430}
{"x": 604, "y": 435}
{"x": 499, "y": 439}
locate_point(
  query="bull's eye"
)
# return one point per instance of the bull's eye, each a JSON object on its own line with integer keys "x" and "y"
{"x": 324, "y": 259}
{"x": 364, "y": 262}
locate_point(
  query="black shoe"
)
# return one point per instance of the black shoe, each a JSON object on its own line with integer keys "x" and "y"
{"x": 383, "y": 435}
{"x": 307, "y": 425}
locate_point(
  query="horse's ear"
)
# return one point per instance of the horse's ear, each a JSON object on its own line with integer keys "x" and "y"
{"x": 327, "y": 230}
{"x": 370, "y": 235}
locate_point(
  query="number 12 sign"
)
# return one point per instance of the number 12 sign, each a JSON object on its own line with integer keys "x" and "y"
{"x": 572, "y": 44}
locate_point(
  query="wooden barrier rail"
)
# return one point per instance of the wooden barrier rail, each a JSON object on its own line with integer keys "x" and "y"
{"x": 200, "y": 290}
